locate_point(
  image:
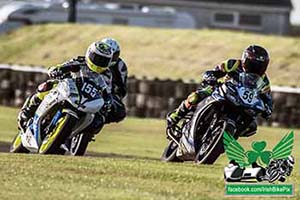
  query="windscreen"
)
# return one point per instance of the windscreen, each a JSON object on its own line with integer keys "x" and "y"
{"x": 250, "y": 80}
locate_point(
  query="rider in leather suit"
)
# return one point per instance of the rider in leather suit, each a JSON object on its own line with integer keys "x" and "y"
{"x": 255, "y": 59}
{"x": 94, "y": 64}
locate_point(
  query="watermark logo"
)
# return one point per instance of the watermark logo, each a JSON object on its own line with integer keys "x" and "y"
{"x": 258, "y": 163}
{"x": 235, "y": 151}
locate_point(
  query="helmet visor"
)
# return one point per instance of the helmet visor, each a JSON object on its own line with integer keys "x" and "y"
{"x": 99, "y": 60}
{"x": 256, "y": 67}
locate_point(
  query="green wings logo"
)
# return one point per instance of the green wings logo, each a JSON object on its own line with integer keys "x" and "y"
{"x": 235, "y": 151}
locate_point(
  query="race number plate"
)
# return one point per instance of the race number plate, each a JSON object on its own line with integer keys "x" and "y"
{"x": 248, "y": 96}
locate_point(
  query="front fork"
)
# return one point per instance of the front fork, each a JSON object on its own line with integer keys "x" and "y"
{"x": 206, "y": 135}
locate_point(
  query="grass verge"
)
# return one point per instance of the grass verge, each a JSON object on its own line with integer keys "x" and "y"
{"x": 123, "y": 164}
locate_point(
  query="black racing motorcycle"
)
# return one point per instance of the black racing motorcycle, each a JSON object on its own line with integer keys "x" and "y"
{"x": 231, "y": 107}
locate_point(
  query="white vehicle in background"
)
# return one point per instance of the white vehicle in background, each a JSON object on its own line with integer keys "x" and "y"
{"x": 5, "y": 12}
{"x": 19, "y": 13}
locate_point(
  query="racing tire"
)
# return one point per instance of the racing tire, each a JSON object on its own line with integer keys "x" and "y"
{"x": 169, "y": 154}
{"x": 79, "y": 144}
{"x": 52, "y": 142}
{"x": 17, "y": 146}
{"x": 214, "y": 149}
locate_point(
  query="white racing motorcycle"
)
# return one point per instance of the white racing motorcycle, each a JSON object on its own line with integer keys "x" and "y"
{"x": 61, "y": 119}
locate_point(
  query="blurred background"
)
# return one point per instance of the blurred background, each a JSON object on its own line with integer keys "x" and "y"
{"x": 167, "y": 45}
{"x": 279, "y": 17}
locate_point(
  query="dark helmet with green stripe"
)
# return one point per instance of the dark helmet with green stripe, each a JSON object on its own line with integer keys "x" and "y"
{"x": 255, "y": 59}
{"x": 98, "y": 56}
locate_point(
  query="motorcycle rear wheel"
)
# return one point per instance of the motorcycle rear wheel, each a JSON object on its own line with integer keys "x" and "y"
{"x": 169, "y": 154}
{"x": 79, "y": 144}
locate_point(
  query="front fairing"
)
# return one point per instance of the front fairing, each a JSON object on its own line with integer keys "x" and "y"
{"x": 77, "y": 96}
{"x": 243, "y": 93}
{"x": 29, "y": 139}
{"x": 65, "y": 91}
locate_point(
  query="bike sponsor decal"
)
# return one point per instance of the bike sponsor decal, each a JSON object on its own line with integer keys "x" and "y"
{"x": 258, "y": 164}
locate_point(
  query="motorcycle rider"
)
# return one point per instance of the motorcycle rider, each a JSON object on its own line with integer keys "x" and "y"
{"x": 94, "y": 64}
{"x": 119, "y": 72}
{"x": 255, "y": 59}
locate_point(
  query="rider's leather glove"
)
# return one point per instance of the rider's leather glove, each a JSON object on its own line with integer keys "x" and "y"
{"x": 209, "y": 79}
{"x": 55, "y": 73}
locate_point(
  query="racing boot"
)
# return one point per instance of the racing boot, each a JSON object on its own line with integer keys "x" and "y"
{"x": 187, "y": 105}
{"x": 172, "y": 120}
{"x": 32, "y": 103}
{"x": 27, "y": 111}
{"x": 174, "y": 117}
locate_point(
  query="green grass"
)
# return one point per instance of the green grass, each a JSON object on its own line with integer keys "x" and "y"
{"x": 151, "y": 52}
{"x": 123, "y": 165}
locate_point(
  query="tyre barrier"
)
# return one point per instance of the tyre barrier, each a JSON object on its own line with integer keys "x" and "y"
{"x": 149, "y": 98}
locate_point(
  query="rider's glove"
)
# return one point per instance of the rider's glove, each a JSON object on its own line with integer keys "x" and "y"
{"x": 209, "y": 79}
{"x": 55, "y": 73}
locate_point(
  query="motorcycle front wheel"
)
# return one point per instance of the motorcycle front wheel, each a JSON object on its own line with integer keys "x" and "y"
{"x": 213, "y": 147}
{"x": 17, "y": 146}
{"x": 52, "y": 142}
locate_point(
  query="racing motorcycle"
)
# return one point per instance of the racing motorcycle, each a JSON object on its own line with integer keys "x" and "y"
{"x": 229, "y": 108}
{"x": 61, "y": 119}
